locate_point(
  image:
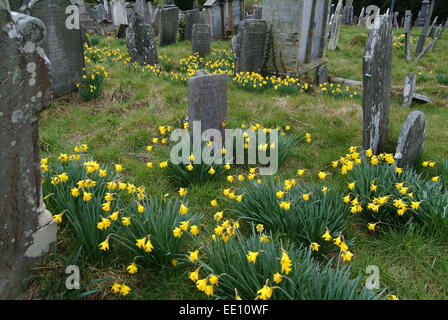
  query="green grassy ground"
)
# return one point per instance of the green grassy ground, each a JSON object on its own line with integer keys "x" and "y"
{"x": 120, "y": 124}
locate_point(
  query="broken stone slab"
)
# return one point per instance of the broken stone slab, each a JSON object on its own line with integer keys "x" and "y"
{"x": 421, "y": 98}
{"x": 352, "y": 83}
{"x": 411, "y": 141}
{"x": 409, "y": 88}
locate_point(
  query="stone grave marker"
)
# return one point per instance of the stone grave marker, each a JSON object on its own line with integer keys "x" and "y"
{"x": 169, "y": 18}
{"x": 201, "y": 39}
{"x": 421, "y": 18}
{"x": 432, "y": 30}
{"x": 62, "y": 46}
{"x": 335, "y": 27}
{"x": 439, "y": 35}
{"x": 192, "y": 17}
{"x": 142, "y": 8}
{"x": 409, "y": 89}
{"x": 407, "y": 32}
{"x": 424, "y": 34}
{"x": 140, "y": 41}
{"x": 411, "y": 141}
{"x": 118, "y": 12}
{"x": 361, "y": 21}
{"x": 377, "y": 81}
{"x": 251, "y": 44}
{"x": 28, "y": 229}
{"x": 347, "y": 13}
{"x": 207, "y": 100}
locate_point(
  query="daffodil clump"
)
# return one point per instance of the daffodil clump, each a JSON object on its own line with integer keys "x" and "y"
{"x": 259, "y": 268}
{"x": 336, "y": 90}
{"x": 92, "y": 83}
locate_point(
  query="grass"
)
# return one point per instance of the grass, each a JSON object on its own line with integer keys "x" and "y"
{"x": 119, "y": 125}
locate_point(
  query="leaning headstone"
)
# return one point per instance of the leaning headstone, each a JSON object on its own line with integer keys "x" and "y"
{"x": 142, "y": 8}
{"x": 396, "y": 20}
{"x": 421, "y": 98}
{"x": 409, "y": 88}
{"x": 361, "y": 21}
{"x": 118, "y": 12}
{"x": 424, "y": 34}
{"x": 335, "y": 27}
{"x": 439, "y": 35}
{"x": 28, "y": 229}
{"x": 169, "y": 18}
{"x": 251, "y": 44}
{"x": 407, "y": 33}
{"x": 192, "y": 17}
{"x": 421, "y": 18}
{"x": 140, "y": 42}
{"x": 347, "y": 13}
{"x": 63, "y": 46}
{"x": 411, "y": 140}
{"x": 432, "y": 30}
{"x": 201, "y": 38}
{"x": 425, "y": 50}
{"x": 207, "y": 101}
{"x": 377, "y": 81}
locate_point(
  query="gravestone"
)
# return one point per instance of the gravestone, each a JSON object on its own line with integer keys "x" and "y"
{"x": 424, "y": 34}
{"x": 407, "y": 33}
{"x": 409, "y": 89}
{"x": 234, "y": 42}
{"x": 192, "y": 17}
{"x": 432, "y": 30}
{"x": 251, "y": 46}
{"x": 411, "y": 141}
{"x": 421, "y": 18}
{"x": 237, "y": 14}
{"x": 118, "y": 12}
{"x": 335, "y": 27}
{"x": 207, "y": 100}
{"x": 347, "y": 13}
{"x": 140, "y": 41}
{"x": 214, "y": 16}
{"x": 142, "y": 8}
{"x": 169, "y": 18}
{"x": 63, "y": 46}
{"x": 297, "y": 36}
{"x": 396, "y": 20}
{"x": 361, "y": 21}
{"x": 439, "y": 35}
{"x": 201, "y": 38}
{"x": 377, "y": 81}
{"x": 28, "y": 229}
{"x": 156, "y": 21}
{"x": 258, "y": 13}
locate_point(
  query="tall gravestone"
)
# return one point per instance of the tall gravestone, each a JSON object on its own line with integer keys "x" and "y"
{"x": 142, "y": 8}
{"x": 361, "y": 21}
{"x": 156, "y": 21}
{"x": 207, "y": 100}
{"x": 201, "y": 38}
{"x": 407, "y": 33}
{"x": 297, "y": 38}
{"x": 335, "y": 27}
{"x": 424, "y": 33}
{"x": 347, "y": 13}
{"x": 28, "y": 229}
{"x": 377, "y": 81}
{"x": 192, "y": 17}
{"x": 63, "y": 46}
{"x": 140, "y": 41}
{"x": 169, "y": 18}
{"x": 251, "y": 46}
{"x": 213, "y": 11}
{"x": 411, "y": 140}
{"x": 118, "y": 12}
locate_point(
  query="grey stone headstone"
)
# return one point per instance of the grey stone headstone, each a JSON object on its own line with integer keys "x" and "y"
{"x": 407, "y": 32}
{"x": 409, "y": 88}
{"x": 192, "y": 17}
{"x": 234, "y": 43}
{"x": 424, "y": 34}
{"x": 411, "y": 140}
{"x": 335, "y": 27}
{"x": 237, "y": 14}
{"x": 118, "y": 12}
{"x": 421, "y": 98}
{"x": 347, "y": 14}
{"x": 377, "y": 81}
{"x": 432, "y": 30}
{"x": 62, "y": 46}
{"x": 361, "y": 21}
{"x": 207, "y": 101}
{"x": 422, "y": 14}
{"x": 439, "y": 35}
{"x": 169, "y": 18}
{"x": 142, "y": 8}
{"x": 251, "y": 44}
{"x": 140, "y": 42}
{"x": 156, "y": 21}
{"x": 28, "y": 229}
{"x": 259, "y": 13}
{"x": 201, "y": 39}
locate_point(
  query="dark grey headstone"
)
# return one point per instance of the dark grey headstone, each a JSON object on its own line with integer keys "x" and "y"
{"x": 140, "y": 42}
{"x": 409, "y": 89}
{"x": 347, "y": 13}
{"x": 201, "y": 38}
{"x": 251, "y": 44}
{"x": 424, "y": 33}
{"x": 411, "y": 140}
{"x": 192, "y": 17}
{"x": 407, "y": 32}
{"x": 207, "y": 101}
{"x": 432, "y": 30}
{"x": 169, "y": 18}
{"x": 28, "y": 229}
{"x": 377, "y": 81}
{"x": 422, "y": 14}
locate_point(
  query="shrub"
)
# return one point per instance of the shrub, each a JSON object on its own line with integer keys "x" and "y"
{"x": 306, "y": 279}
{"x": 94, "y": 41}
{"x": 304, "y": 222}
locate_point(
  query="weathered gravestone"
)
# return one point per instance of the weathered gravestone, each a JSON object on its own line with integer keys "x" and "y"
{"x": 347, "y": 13}
{"x": 201, "y": 38}
{"x": 424, "y": 34}
{"x": 439, "y": 35}
{"x": 28, "y": 229}
{"x": 207, "y": 101}
{"x": 420, "y": 22}
{"x": 407, "y": 33}
{"x": 140, "y": 42}
{"x": 411, "y": 140}
{"x": 192, "y": 17}
{"x": 63, "y": 46}
{"x": 335, "y": 27}
{"x": 213, "y": 12}
{"x": 251, "y": 46}
{"x": 409, "y": 89}
{"x": 142, "y": 8}
{"x": 361, "y": 19}
{"x": 169, "y": 18}
{"x": 118, "y": 12}
{"x": 298, "y": 31}
{"x": 156, "y": 21}
{"x": 432, "y": 30}
{"x": 377, "y": 81}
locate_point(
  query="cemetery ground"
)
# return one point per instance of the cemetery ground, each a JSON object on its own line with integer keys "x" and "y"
{"x": 119, "y": 125}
